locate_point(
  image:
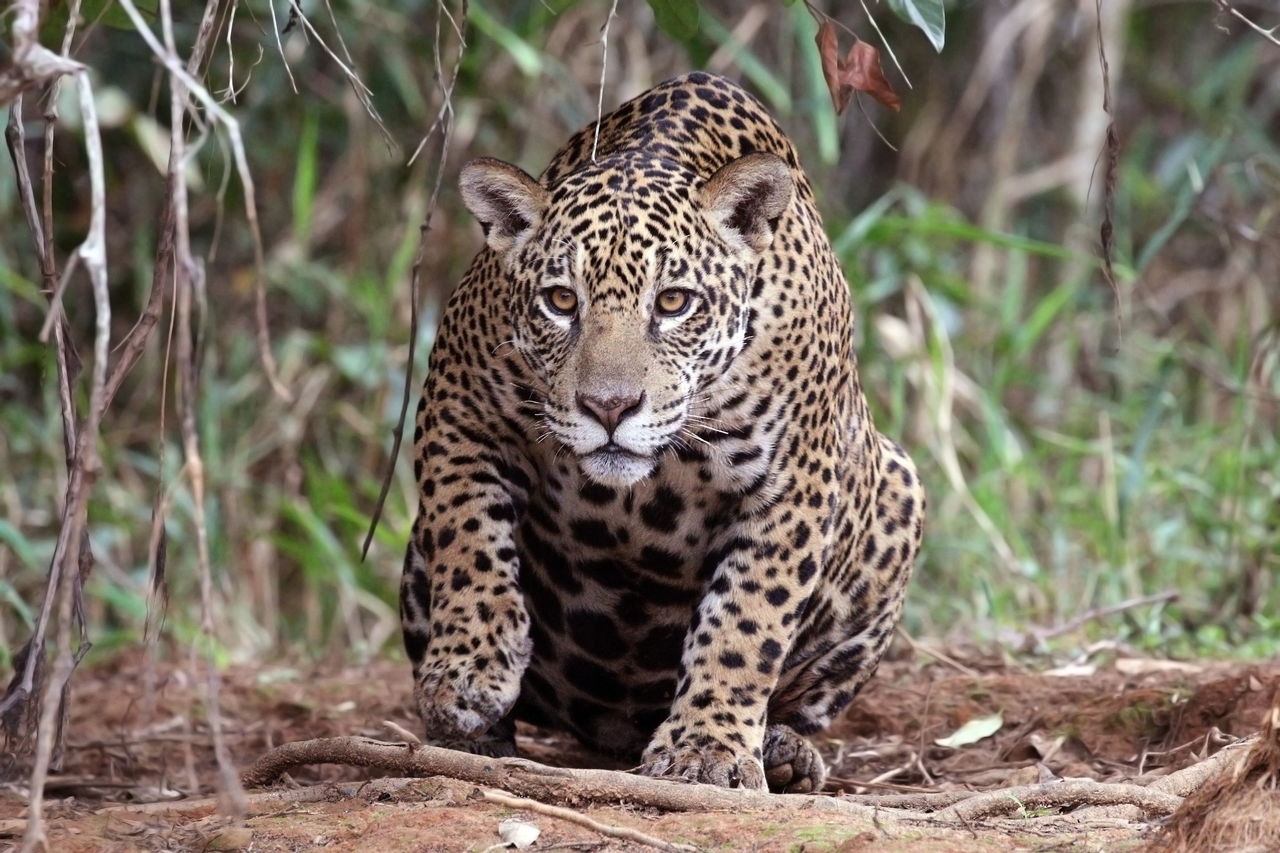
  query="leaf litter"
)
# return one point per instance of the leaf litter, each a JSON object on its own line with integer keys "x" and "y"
{"x": 1113, "y": 725}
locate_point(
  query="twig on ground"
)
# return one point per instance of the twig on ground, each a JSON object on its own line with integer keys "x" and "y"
{"x": 936, "y": 654}
{"x": 923, "y": 801}
{"x": 262, "y": 802}
{"x": 1166, "y": 597}
{"x": 1057, "y": 795}
{"x": 401, "y": 732}
{"x": 624, "y": 833}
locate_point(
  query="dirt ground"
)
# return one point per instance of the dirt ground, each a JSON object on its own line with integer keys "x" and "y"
{"x": 139, "y": 745}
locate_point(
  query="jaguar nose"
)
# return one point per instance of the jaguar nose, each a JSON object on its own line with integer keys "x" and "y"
{"x": 610, "y": 411}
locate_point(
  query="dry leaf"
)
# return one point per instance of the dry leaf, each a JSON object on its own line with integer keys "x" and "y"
{"x": 858, "y": 71}
{"x": 1073, "y": 670}
{"x": 519, "y": 834}
{"x": 828, "y": 52}
{"x": 972, "y": 731}
{"x": 862, "y": 72}
{"x": 1023, "y": 776}
{"x": 1144, "y": 666}
{"x": 1046, "y": 747}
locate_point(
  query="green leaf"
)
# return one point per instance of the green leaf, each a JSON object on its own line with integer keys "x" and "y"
{"x": 677, "y": 18}
{"x": 526, "y": 56}
{"x": 925, "y": 14}
{"x": 102, "y": 12}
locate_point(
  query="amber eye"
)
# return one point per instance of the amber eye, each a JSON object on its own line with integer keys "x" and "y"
{"x": 673, "y": 301}
{"x": 561, "y": 300}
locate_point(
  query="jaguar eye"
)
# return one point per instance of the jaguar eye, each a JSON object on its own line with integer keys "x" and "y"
{"x": 673, "y": 301}
{"x": 561, "y": 300}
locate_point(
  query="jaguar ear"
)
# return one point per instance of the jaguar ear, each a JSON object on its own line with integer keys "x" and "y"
{"x": 745, "y": 198}
{"x": 506, "y": 201}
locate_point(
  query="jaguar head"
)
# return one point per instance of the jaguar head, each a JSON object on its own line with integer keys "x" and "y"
{"x": 631, "y": 283}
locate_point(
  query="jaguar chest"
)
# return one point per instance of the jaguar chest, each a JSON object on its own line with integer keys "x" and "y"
{"x": 611, "y": 578}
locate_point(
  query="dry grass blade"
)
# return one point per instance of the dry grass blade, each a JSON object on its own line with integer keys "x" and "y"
{"x": 180, "y": 75}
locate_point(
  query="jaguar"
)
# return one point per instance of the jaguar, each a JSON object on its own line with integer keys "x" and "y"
{"x": 653, "y": 508}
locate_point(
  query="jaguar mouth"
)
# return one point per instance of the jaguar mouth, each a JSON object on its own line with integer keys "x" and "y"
{"x": 613, "y": 449}
{"x": 612, "y": 464}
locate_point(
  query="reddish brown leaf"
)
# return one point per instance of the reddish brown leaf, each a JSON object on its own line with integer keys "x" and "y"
{"x": 861, "y": 70}
{"x": 828, "y": 50}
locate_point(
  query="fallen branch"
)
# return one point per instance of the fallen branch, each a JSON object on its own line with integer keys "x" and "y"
{"x": 540, "y": 782}
{"x": 1026, "y": 798}
{"x": 565, "y": 786}
{"x": 625, "y": 833}
{"x": 1189, "y": 779}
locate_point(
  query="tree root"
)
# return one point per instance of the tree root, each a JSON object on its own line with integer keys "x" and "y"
{"x": 557, "y": 785}
{"x": 571, "y": 787}
{"x": 1028, "y": 798}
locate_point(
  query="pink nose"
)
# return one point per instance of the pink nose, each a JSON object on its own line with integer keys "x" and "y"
{"x": 609, "y": 411}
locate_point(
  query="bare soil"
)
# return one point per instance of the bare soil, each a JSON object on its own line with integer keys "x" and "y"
{"x": 139, "y": 746}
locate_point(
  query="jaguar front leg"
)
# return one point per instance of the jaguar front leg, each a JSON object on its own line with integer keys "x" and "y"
{"x": 466, "y": 629}
{"x": 765, "y": 570}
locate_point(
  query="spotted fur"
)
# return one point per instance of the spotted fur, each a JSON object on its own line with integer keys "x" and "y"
{"x": 676, "y": 535}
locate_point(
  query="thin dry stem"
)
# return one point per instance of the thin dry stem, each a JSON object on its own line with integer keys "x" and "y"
{"x": 604, "y": 67}
{"x": 443, "y": 123}
{"x": 31, "y": 64}
{"x": 63, "y": 582}
{"x": 886, "y": 44}
{"x": 1166, "y": 597}
{"x": 363, "y": 94}
{"x": 624, "y": 833}
{"x": 185, "y": 273}
{"x": 275, "y": 30}
{"x": 229, "y": 124}
{"x": 1268, "y": 34}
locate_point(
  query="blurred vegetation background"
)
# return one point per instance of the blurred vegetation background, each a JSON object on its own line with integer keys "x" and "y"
{"x": 1083, "y": 445}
